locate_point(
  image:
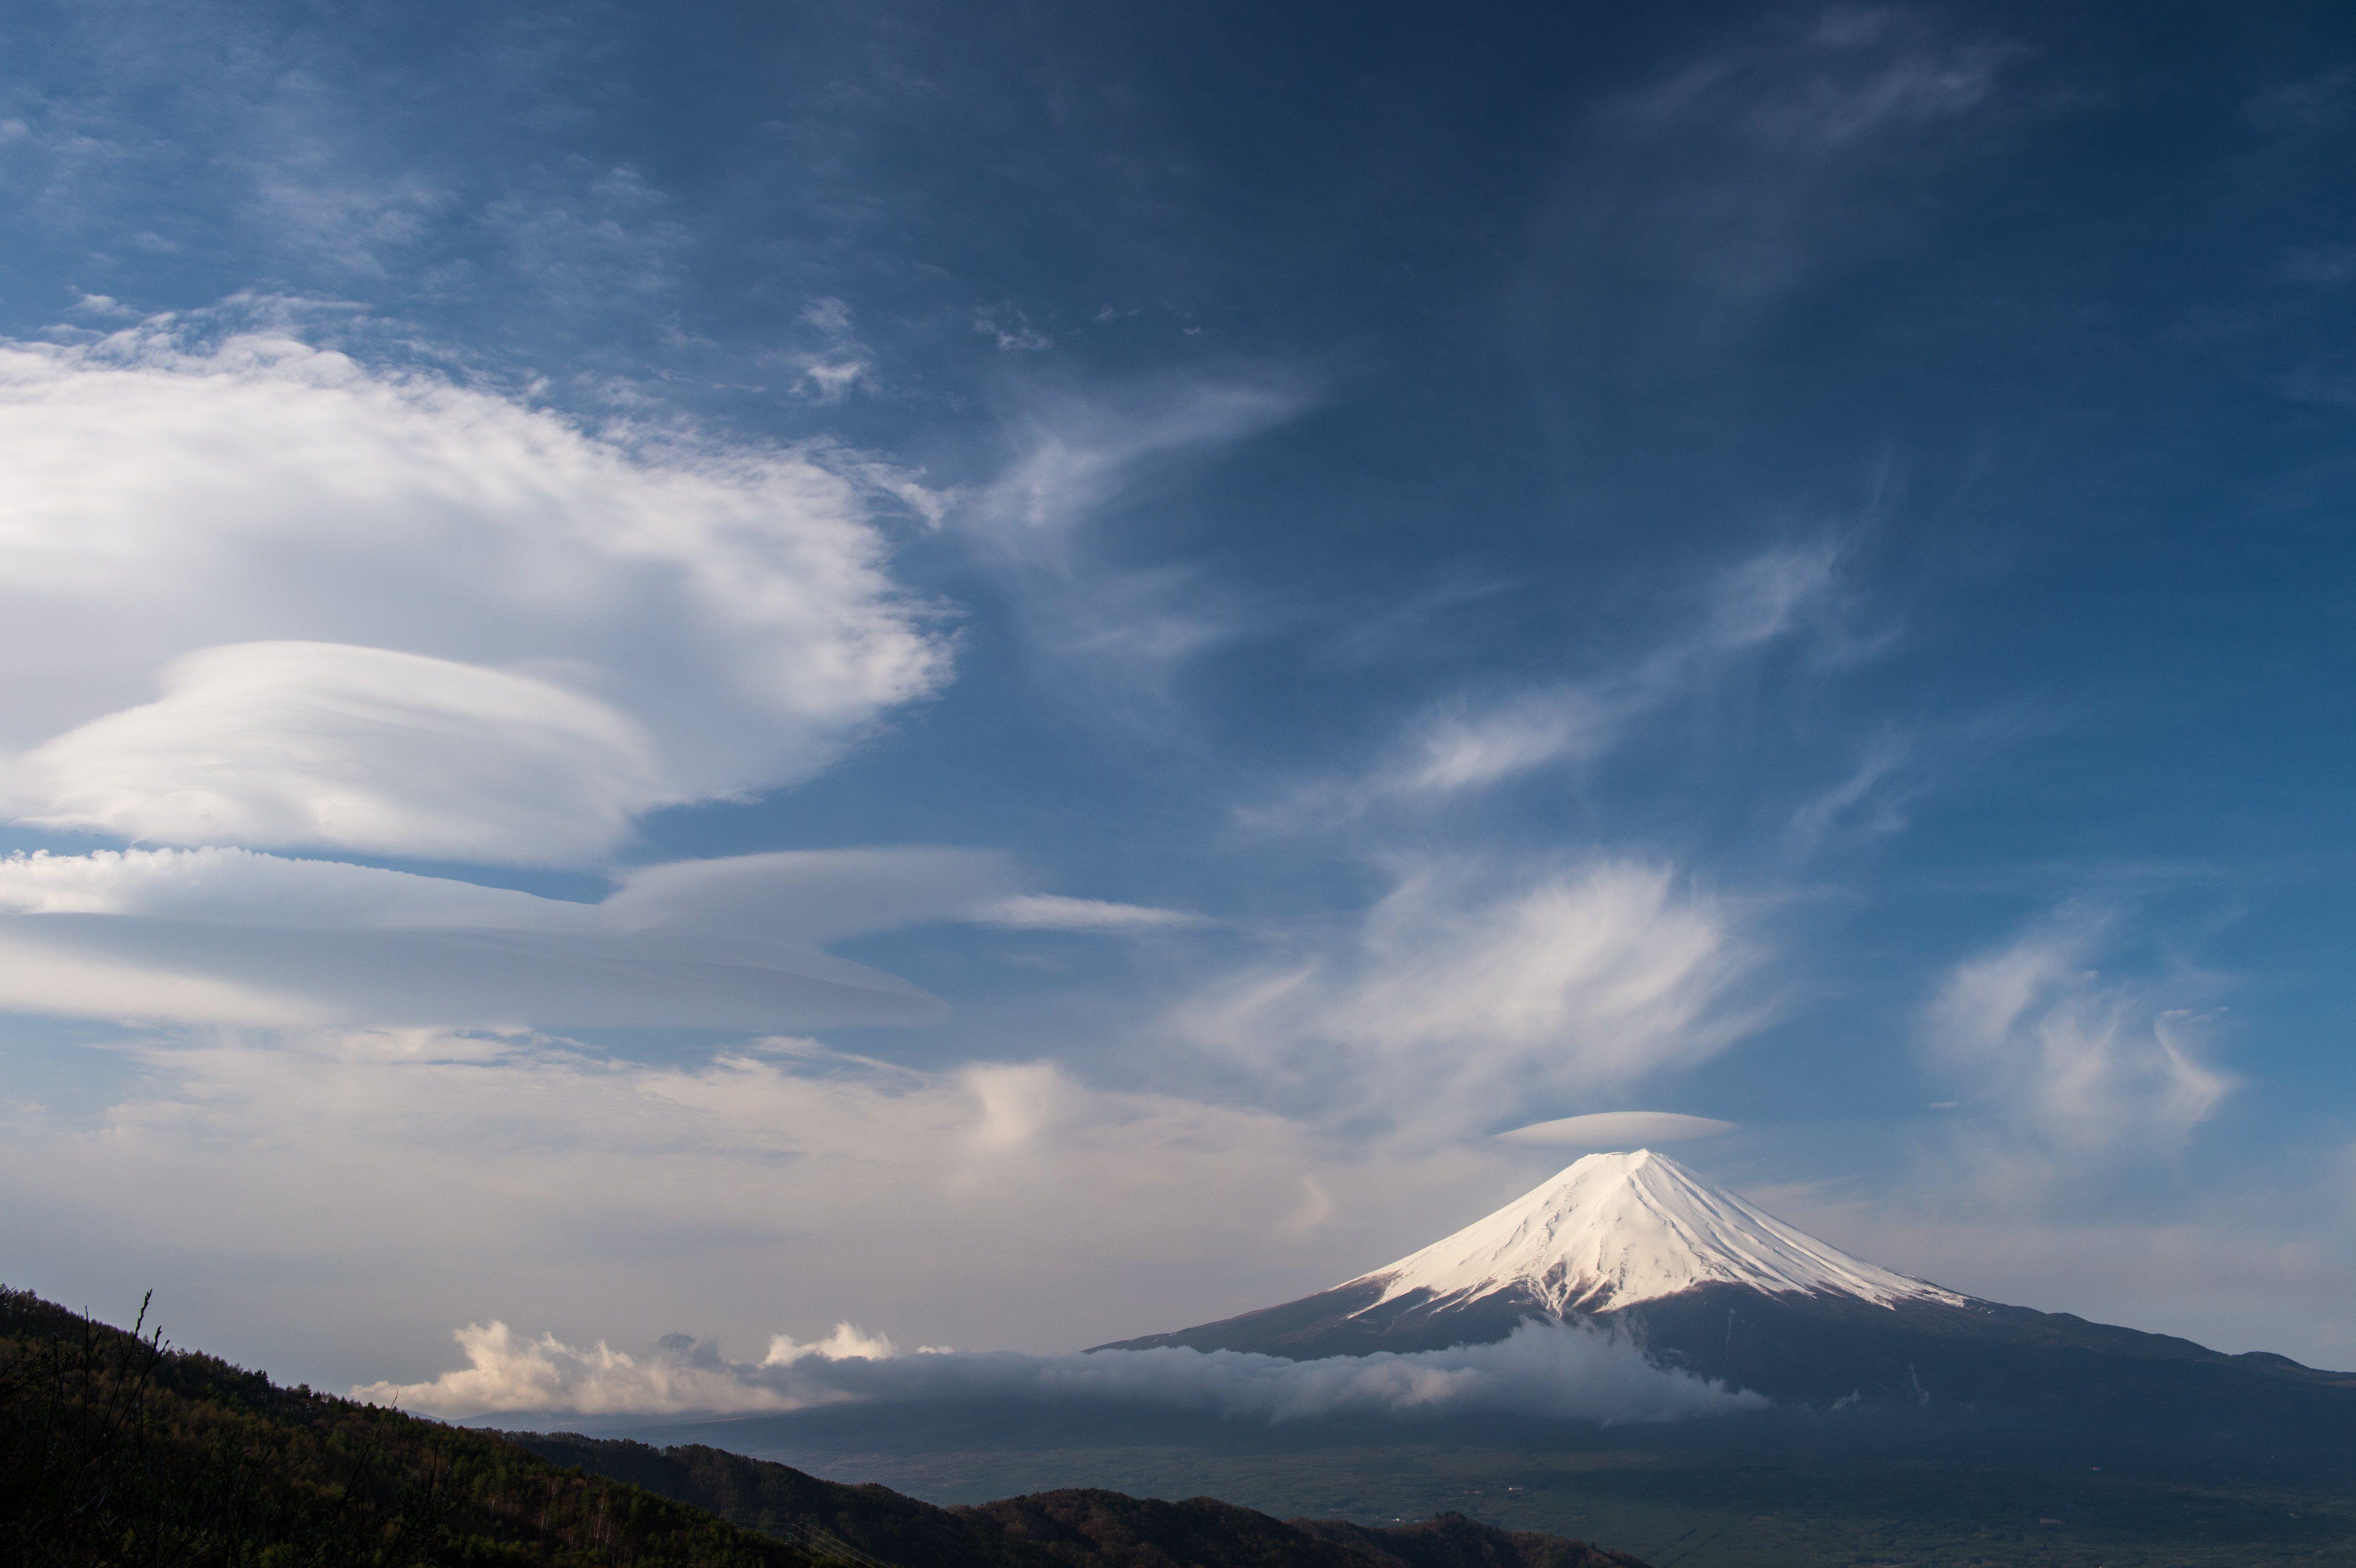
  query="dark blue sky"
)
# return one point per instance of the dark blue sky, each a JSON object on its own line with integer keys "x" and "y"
{"x": 1788, "y": 565}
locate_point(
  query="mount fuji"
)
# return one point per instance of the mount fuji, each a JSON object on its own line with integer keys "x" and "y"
{"x": 1703, "y": 1281}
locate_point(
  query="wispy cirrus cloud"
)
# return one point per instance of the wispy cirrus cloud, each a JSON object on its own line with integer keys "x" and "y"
{"x": 2067, "y": 1065}
{"x": 1471, "y": 744}
{"x": 1055, "y": 911}
{"x": 1075, "y": 455}
{"x": 1870, "y": 800}
{"x": 1469, "y": 992}
{"x": 1697, "y": 199}
{"x": 1075, "y": 460}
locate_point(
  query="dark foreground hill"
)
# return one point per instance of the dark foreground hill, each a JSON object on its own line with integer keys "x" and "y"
{"x": 1078, "y": 1526}
{"x": 1757, "y": 1492}
{"x": 115, "y": 1449}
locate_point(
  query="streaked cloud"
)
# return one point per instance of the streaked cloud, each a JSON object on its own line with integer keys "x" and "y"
{"x": 1764, "y": 162}
{"x": 1466, "y": 992}
{"x": 1052, "y": 911}
{"x": 2066, "y": 1059}
{"x": 1074, "y": 454}
{"x": 1075, "y": 458}
{"x": 224, "y": 936}
{"x": 1469, "y": 744}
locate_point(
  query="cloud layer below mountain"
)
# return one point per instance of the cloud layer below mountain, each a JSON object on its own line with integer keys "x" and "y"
{"x": 1548, "y": 1371}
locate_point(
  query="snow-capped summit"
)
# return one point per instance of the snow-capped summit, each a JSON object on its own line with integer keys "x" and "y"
{"x": 1612, "y": 1229}
{"x": 1632, "y": 1240}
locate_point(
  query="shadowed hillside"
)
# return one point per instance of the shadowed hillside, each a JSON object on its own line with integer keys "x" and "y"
{"x": 116, "y": 1449}
{"x": 1078, "y": 1526}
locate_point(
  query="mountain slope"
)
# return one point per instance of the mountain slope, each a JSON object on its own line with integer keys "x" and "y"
{"x": 1635, "y": 1243}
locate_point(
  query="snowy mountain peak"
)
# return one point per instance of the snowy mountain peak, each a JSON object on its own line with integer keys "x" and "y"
{"x": 1615, "y": 1229}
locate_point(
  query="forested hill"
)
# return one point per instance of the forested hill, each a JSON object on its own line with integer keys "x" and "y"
{"x": 1083, "y": 1527}
{"x": 117, "y": 1450}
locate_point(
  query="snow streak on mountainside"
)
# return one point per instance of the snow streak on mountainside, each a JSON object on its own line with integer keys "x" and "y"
{"x": 1617, "y": 1229}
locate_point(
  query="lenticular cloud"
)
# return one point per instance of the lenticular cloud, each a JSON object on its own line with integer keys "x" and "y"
{"x": 324, "y": 743}
{"x": 310, "y": 603}
{"x": 1545, "y": 1370}
{"x": 230, "y": 935}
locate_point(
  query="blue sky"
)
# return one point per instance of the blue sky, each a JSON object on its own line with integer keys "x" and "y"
{"x": 756, "y": 660}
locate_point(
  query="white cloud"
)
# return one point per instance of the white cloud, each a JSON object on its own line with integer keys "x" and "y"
{"x": 1460, "y": 748}
{"x": 2066, "y": 1060}
{"x": 842, "y": 367}
{"x": 1010, "y": 329}
{"x": 506, "y": 1371}
{"x": 848, "y": 1342}
{"x": 1767, "y": 163}
{"x": 223, "y": 935}
{"x": 1075, "y": 458}
{"x": 1463, "y": 995}
{"x": 353, "y": 584}
{"x": 832, "y": 378}
{"x": 828, "y": 314}
{"x": 1463, "y": 746}
{"x": 1616, "y": 1129}
{"x": 1747, "y": 607}
{"x": 1865, "y": 801}
{"x": 1052, "y": 911}
{"x": 1547, "y": 1370}
{"x": 321, "y": 743}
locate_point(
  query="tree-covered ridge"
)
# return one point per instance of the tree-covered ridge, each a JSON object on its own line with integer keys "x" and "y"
{"x": 1086, "y": 1528}
{"x": 117, "y": 1451}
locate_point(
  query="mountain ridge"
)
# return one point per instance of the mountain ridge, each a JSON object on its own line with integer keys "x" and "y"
{"x": 1078, "y": 1526}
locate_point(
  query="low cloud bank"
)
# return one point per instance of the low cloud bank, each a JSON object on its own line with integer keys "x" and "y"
{"x": 1545, "y": 1369}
